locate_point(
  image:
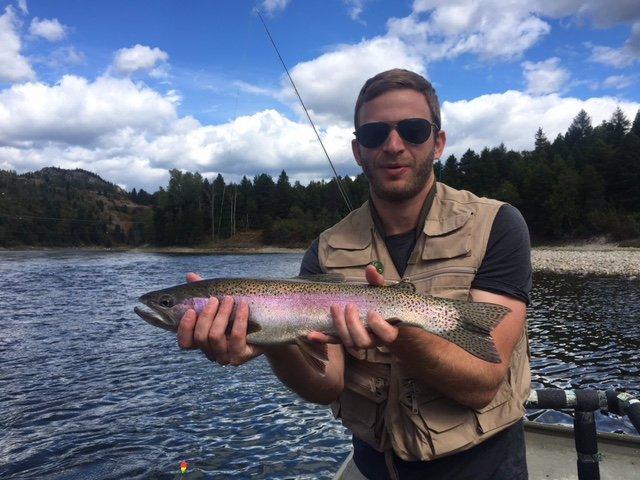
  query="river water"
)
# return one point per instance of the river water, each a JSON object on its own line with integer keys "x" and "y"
{"x": 90, "y": 391}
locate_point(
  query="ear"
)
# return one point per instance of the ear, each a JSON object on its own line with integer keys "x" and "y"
{"x": 440, "y": 141}
{"x": 355, "y": 148}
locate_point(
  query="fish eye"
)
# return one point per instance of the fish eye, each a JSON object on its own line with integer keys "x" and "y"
{"x": 166, "y": 301}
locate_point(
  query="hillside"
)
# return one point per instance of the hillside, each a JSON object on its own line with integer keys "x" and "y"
{"x": 59, "y": 207}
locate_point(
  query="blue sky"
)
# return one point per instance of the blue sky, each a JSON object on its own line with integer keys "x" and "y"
{"x": 131, "y": 89}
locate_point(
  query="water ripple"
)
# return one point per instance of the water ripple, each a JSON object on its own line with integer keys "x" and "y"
{"x": 92, "y": 392}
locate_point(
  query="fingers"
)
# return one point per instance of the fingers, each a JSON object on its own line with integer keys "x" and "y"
{"x": 382, "y": 329}
{"x": 204, "y": 322}
{"x": 185, "y": 330}
{"x": 352, "y": 332}
{"x": 193, "y": 277}
{"x": 357, "y": 331}
{"x": 208, "y": 332}
{"x": 340, "y": 325}
{"x": 237, "y": 346}
{"x": 216, "y": 339}
{"x": 373, "y": 277}
{"x": 349, "y": 327}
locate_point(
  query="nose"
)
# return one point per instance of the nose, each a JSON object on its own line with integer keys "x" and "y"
{"x": 394, "y": 143}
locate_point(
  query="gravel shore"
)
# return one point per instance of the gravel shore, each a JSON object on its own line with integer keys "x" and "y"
{"x": 587, "y": 260}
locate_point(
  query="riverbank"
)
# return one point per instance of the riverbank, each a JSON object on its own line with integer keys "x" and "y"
{"x": 587, "y": 260}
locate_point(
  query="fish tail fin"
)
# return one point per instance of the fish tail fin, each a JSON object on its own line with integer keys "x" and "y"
{"x": 476, "y": 322}
{"x": 315, "y": 354}
{"x": 477, "y": 344}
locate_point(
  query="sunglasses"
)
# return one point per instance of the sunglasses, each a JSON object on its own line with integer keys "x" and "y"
{"x": 413, "y": 130}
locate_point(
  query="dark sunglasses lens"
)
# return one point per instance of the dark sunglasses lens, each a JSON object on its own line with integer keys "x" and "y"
{"x": 372, "y": 135}
{"x": 414, "y": 130}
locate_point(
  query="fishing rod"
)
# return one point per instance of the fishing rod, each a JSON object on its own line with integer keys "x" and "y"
{"x": 341, "y": 188}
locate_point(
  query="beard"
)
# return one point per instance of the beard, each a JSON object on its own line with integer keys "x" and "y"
{"x": 405, "y": 190}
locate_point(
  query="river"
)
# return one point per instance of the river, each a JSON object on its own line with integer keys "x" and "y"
{"x": 90, "y": 391}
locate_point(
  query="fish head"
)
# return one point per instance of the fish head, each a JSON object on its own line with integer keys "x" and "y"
{"x": 167, "y": 307}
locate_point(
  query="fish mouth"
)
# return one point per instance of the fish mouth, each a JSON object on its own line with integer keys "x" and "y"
{"x": 157, "y": 319}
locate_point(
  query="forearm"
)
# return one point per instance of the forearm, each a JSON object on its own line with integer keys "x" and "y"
{"x": 294, "y": 371}
{"x": 447, "y": 368}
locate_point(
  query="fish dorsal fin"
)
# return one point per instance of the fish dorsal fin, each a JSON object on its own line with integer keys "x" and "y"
{"x": 404, "y": 286}
{"x": 322, "y": 278}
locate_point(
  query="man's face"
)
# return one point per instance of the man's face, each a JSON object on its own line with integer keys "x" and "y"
{"x": 398, "y": 170}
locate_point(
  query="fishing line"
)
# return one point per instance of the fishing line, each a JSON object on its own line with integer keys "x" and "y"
{"x": 345, "y": 197}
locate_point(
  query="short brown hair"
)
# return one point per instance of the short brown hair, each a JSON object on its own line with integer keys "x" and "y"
{"x": 397, "y": 79}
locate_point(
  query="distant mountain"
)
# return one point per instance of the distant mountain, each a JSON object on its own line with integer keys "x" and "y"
{"x": 59, "y": 207}
{"x": 78, "y": 178}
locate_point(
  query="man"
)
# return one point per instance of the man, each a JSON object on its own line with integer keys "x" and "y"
{"x": 418, "y": 406}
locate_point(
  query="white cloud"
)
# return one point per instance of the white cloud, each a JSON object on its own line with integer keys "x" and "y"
{"x": 544, "y": 77}
{"x": 13, "y": 66}
{"x": 355, "y": 8}
{"x": 132, "y": 135}
{"x": 503, "y": 30}
{"x": 330, "y": 83}
{"x": 489, "y": 28}
{"x": 613, "y": 57}
{"x": 621, "y": 57}
{"x": 61, "y": 58}
{"x": 602, "y": 13}
{"x": 617, "y": 81}
{"x": 51, "y": 30}
{"x": 22, "y": 5}
{"x": 138, "y": 57}
{"x": 513, "y": 117}
{"x": 273, "y": 6}
{"x": 254, "y": 89}
{"x": 78, "y": 112}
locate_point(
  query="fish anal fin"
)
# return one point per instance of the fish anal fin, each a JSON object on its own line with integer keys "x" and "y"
{"x": 316, "y": 354}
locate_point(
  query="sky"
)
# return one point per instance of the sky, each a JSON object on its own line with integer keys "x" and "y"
{"x": 132, "y": 89}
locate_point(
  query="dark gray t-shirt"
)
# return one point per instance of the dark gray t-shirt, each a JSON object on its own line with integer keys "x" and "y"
{"x": 505, "y": 268}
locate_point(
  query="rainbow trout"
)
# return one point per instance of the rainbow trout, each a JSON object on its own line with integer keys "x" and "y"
{"x": 285, "y": 311}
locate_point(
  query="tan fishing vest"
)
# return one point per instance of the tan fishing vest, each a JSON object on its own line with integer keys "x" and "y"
{"x": 380, "y": 404}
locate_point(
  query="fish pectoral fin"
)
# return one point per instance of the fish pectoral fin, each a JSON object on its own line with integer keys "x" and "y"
{"x": 316, "y": 354}
{"x": 253, "y": 327}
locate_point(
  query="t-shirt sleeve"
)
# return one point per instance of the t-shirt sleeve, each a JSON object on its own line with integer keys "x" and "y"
{"x": 310, "y": 264}
{"x": 506, "y": 267}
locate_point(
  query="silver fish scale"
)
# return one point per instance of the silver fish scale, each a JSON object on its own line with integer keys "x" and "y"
{"x": 285, "y": 310}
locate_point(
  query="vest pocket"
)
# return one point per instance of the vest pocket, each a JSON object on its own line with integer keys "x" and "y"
{"x": 362, "y": 403}
{"x": 449, "y": 282}
{"x": 494, "y": 415}
{"x": 436, "y": 422}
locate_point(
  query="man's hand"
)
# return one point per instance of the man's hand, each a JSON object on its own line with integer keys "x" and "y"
{"x": 207, "y": 331}
{"x": 351, "y": 332}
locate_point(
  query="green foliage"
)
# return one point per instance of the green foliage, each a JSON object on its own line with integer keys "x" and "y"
{"x": 584, "y": 183}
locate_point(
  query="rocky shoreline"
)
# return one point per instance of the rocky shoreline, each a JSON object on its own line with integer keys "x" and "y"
{"x": 587, "y": 260}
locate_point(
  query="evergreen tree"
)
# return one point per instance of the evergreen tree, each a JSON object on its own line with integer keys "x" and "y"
{"x": 451, "y": 173}
{"x": 542, "y": 148}
{"x": 635, "y": 128}
{"x": 284, "y": 196}
{"x": 579, "y": 130}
